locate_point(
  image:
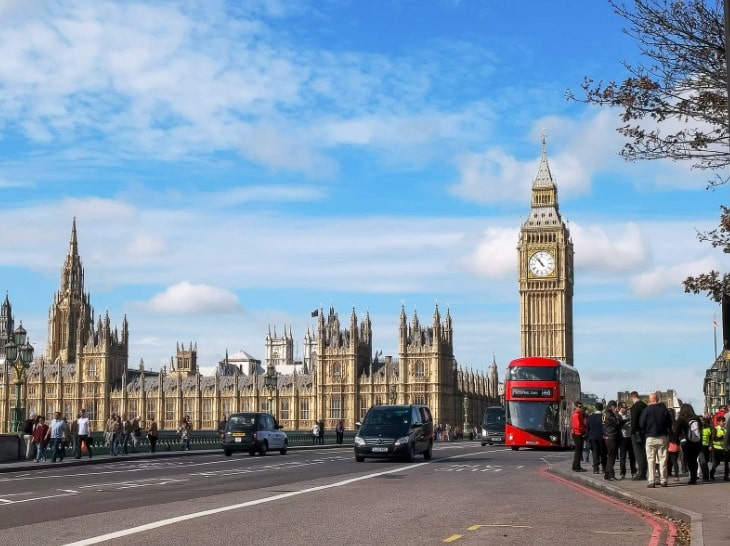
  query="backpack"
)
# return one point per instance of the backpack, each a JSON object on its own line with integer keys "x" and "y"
{"x": 694, "y": 431}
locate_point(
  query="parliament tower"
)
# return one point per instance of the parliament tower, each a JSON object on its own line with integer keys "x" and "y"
{"x": 546, "y": 274}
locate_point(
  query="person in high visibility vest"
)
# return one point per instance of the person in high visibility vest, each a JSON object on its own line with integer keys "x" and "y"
{"x": 719, "y": 455}
{"x": 705, "y": 457}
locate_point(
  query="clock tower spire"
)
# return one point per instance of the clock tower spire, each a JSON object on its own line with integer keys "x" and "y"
{"x": 545, "y": 253}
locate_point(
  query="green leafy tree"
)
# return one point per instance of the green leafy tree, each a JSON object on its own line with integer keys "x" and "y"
{"x": 676, "y": 105}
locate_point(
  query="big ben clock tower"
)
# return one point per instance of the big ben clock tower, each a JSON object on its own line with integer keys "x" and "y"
{"x": 546, "y": 274}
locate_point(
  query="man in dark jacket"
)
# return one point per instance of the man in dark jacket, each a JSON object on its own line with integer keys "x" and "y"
{"x": 595, "y": 438}
{"x": 655, "y": 423}
{"x": 637, "y": 440}
{"x": 611, "y": 434}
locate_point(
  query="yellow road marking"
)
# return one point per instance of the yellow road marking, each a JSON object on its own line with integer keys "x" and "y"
{"x": 475, "y": 527}
{"x": 452, "y": 538}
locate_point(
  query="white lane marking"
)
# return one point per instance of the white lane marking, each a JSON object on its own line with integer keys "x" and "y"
{"x": 194, "y": 515}
{"x": 19, "y": 501}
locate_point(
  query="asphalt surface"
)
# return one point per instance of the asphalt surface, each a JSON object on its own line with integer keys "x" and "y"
{"x": 466, "y": 495}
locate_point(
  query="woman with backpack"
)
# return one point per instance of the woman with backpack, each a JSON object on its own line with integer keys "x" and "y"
{"x": 689, "y": 428}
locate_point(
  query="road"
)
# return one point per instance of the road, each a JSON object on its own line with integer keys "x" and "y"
{"x": 466, "y": 495}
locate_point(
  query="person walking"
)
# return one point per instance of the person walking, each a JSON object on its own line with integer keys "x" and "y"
{"x": 115, "y": 428}
{"x": 84, "y": 432}
{"x": 152, "y": 434}
{"x": 719, "y": 455}
{"x": 134, "y": 436}
{"x": 689, "y": 430}
{"x": 340, "y": 432}
{"x": 578, "y": 431}
{"x": 126, "y": 426}
{"x": 184, "y": 431}
{"x": 315, "y": 432}
{"x": 654, "y": 424}
{"x": 28, "y": 434}
{"x": 56, "y": 435}
{"x": 594, "y": 426}
{"x": 222, "y": 427}
{"x": 40, "y": 432}
{"x": 611, "y": 435}
{"x": 638, "y": 442}
{"x": 705, "y": 457}
{"x": 321, "y": 432}
{"x": 625, "y": 440}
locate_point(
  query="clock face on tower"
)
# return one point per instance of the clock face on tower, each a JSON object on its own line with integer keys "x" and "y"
{"x": 541, "y": 263}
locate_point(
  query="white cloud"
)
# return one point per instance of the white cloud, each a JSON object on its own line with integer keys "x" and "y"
{"x": 146, "y": 244}
{"x": 609, "y": 249}
{"x": 669, "y": 277}
{"x": 187, "y": 298}
{"x": 496, "y": 255}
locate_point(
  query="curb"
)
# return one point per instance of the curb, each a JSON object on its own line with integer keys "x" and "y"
{"x": 647, "y": 503}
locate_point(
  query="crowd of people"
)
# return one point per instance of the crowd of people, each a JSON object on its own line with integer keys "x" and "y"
{"x": 650, "y": 441}
{"x": 61, "y": 436}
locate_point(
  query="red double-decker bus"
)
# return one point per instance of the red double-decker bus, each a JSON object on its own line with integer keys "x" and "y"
{"x": 539, "y": 398}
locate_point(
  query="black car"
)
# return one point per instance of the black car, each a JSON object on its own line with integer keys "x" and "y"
{"x": 395, "y": 431}
{"x": 253, "y": 432}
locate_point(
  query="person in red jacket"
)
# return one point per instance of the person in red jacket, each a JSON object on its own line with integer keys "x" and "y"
{"x": 578, "y": 430}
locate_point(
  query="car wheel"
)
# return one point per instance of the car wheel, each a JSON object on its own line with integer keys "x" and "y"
{"x": 359, "y": 458}
{"x": 283, "y": 449}
{"x": 411, "y": 455}
{"x": 252, "y": 452}
{"x": 227, "y": 452}
{"x": 428, "y": 453}
{"x": 264, "y": 447}
{"x": 515, "y": 448}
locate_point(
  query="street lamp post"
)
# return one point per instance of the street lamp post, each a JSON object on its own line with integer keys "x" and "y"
{"x": 19, "y": 355}
{"x": 271, "y": 383}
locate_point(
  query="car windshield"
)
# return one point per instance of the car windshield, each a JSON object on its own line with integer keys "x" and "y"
{"x": 243, "y": 420}
{"x": 388, "y": 416}
{"x": 494, "y": 417}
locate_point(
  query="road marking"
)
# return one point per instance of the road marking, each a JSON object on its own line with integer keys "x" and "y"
{"x": 453, "y": 538}
{"x": 475, "y": 527}
{"x": 194, "y": 515}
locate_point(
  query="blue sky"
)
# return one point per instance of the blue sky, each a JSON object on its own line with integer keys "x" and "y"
{"x": 233, "y": 166}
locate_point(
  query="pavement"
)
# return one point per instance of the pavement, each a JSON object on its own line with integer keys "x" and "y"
{"x": 706, "y": 506}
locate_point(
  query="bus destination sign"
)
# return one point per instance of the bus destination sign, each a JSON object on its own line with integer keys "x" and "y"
{"x": 532, "y": 392}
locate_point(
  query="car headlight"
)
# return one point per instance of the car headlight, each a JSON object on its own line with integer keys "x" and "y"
{"x": 359, "y": 441}
{"x": 402, "y": 440}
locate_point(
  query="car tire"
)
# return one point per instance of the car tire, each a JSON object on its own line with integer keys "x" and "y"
{"x": 227, "y": 452}
{"x": 411, "y": 455}
{"x": 359, "y": 458}
{"x": 484, "y": 443}
{"x": 428, "y": 453}
{"x": 264, "y": 447}
{"x": 283, "y": 449}
{"x": 252, "y": 452}
{"x": 515, "y": 448}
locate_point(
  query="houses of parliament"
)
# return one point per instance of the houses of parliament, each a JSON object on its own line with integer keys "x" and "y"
{"x": 86, "y": 362}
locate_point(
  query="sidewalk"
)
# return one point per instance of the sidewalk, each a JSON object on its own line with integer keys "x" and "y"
{"x": 706, "y": 505}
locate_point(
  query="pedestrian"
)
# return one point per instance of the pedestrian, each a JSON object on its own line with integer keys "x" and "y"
{"x": 321, "y": 432}
{"x": 83, "y": 425}
{"x": 690, "y": 432}
{"x": 184, "y": 431}
{"x": 625, "y": 447}
{"x": 673, "y": 452}
{"x": 638, "y": 442}
{"x": 28, "y": 434}
{"x": 705, "y": 456}
{"x": 152, "y": 434}
{"x": 578, "y": 431}
{"x": 116, "y": 435}
{"x": 719, "y": 455}
{"x": 340, "y": 431}
{"x": 611, "y": 435}
{"x": 126, "y": 426}
{"x": 594, "y": 429}
{"x": 315, "y": 432}
{"x": 109, "y": 430}
{"x": 40, "y": 432}
{"x": 134, "y": 436}
{"x": 222, "y": 427}
{"x": 655, "y": 424}
{"x": 56, "y": 435}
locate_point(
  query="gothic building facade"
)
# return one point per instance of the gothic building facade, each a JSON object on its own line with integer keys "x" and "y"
{"x": 545, "y": 264}
{"x": 86, "y": 365}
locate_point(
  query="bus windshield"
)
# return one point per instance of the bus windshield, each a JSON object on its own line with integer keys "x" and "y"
{"x": 533, "y": 373}
{"x": 534, "y": 416}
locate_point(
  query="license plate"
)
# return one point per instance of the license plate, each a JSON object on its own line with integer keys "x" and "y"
{"x": 380, "y": 450}
{"x": 239, "y": 434}
{"x": 496, "y": 438}
{"x": 238, "y": 440}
